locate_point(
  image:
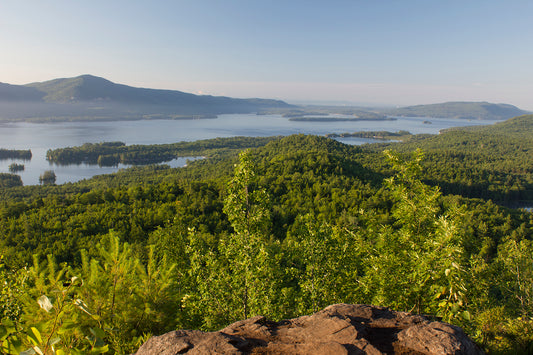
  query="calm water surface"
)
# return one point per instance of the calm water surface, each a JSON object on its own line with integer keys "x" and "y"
{"x": 39, "y": 137}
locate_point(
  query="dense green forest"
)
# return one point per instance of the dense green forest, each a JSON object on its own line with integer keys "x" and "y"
{"x": 282, "y": 229}
{"x": 490, "y": 162}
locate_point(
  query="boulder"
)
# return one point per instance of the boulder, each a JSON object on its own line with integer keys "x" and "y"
{"x": 338, "y": 329}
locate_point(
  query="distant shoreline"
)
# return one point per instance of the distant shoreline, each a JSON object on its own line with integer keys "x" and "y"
{"x": 333, "y": 119}
{"x": 64, "y": 119}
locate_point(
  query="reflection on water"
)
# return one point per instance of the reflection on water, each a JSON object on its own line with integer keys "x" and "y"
{"x": 43, "y": 136}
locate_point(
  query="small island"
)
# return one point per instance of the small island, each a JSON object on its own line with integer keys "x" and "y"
{"x": 340, "y": 118}
{"x": 10, "y": 180}
{"x": 47, "y": 178}
{"x": 15, "y": 154}
{"x": 16, "y": 167}
{"x": 382, "y": 135}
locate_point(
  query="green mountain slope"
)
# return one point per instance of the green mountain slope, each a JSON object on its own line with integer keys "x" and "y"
{"x": 492, "y": 162}
{"x": 464, "y": 110}
{"x": 295, "y": 224}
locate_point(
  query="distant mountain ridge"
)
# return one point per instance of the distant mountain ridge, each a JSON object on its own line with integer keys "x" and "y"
{"x": 92, "y": 97}
{"x": 89, "y": 97}
{"x": 463, "y": 110}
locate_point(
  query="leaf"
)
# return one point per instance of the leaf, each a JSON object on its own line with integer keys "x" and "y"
{"x": 100, "y": 350}
{"x": 455, "y": 308}
{"x": 9, "y": 325}
{"x": 447, "y": 272}
{"x": 27, "y": 352}
{"x": 38, "y": 350}
{"x": 467, "y": 316}
{"x": 97, "y": 332}
{"x": 3, "y": 332}
{"x": 82, "y": 305}
{"x": 35, "y": 336}
{"x": 54, "y": 341}
{"x": 13, "y": 346}
{"x": 44, "y": 303}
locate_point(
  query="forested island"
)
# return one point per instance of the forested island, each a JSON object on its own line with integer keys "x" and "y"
{"x": 14, "y": 167}
{"x": 335, "y": 114}
{"x": 15, "y": 154}
{"x": 281, "y": 229}
{"x": 113, "y": 153}
{"x": 384, "y": 135}
{"x": 337, "y": 118}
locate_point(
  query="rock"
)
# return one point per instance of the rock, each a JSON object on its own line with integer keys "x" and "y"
{"x": 338, "y": 329}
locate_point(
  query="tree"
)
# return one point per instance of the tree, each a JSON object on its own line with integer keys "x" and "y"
{"x": 416, "y": 264}
{"x": 238, "y": 277}
{"x": 47, "y": 178}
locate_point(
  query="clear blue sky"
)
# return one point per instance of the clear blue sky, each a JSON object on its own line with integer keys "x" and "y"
{"x": 397, "y": 52}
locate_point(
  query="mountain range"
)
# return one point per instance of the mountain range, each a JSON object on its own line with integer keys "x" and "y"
{"x": 88, "y": 97}
{"x": 92, "y": 97}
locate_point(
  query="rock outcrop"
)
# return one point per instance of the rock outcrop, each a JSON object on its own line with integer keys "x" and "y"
{"x": 338, "y": 329}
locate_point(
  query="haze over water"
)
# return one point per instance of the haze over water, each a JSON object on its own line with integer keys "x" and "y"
{"x": 43, "y": 136}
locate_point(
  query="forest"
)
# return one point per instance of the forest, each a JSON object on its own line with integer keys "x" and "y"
{"x": 281, "y": 227}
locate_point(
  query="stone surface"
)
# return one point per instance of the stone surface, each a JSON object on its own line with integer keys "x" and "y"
{"x": 338, "y": 329}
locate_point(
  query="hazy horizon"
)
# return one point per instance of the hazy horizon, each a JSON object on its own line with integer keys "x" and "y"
{"x": 368, "y": 53}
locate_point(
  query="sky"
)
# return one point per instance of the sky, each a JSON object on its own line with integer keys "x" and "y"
{"x": 368, "y": 52}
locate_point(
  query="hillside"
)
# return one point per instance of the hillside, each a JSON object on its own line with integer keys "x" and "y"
{"x": 287, "y": 228}
{"x": 463, "y": 110}
{"x": 91, "y": 97}
{"x": 491, "y": 162}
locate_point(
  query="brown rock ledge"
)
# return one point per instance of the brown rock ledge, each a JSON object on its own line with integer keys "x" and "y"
{"x": 338, "y": 329}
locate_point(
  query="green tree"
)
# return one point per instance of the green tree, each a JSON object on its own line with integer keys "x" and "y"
{"x": 47, "y": 178}
{"x": 238, "y": 277}
{"x": 416, "y": 264}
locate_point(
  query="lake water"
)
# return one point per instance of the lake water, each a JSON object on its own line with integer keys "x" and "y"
{"x": 39, "y": 137}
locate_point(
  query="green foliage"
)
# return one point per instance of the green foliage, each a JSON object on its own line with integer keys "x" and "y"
{"x": 114, "y": 299}
{"x": 489, "y": 162}
{"x": 10, "y": 180}
{"x": 47, "y": 178}
{"x": 112, "y": 153}
{"x": 515, "y": 259}
{"x": 282, "y": 230}
{"x": 244, "y": 260}
{"x": 327, "y": 263}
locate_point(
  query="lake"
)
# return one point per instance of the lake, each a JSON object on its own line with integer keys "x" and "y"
{"x": 39, "y": 137}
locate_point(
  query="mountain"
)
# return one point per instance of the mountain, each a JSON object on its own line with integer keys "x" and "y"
{"x": 91, "y": 97}
{"x": 17, "y": 93}
{"x": 464, "y": 110}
